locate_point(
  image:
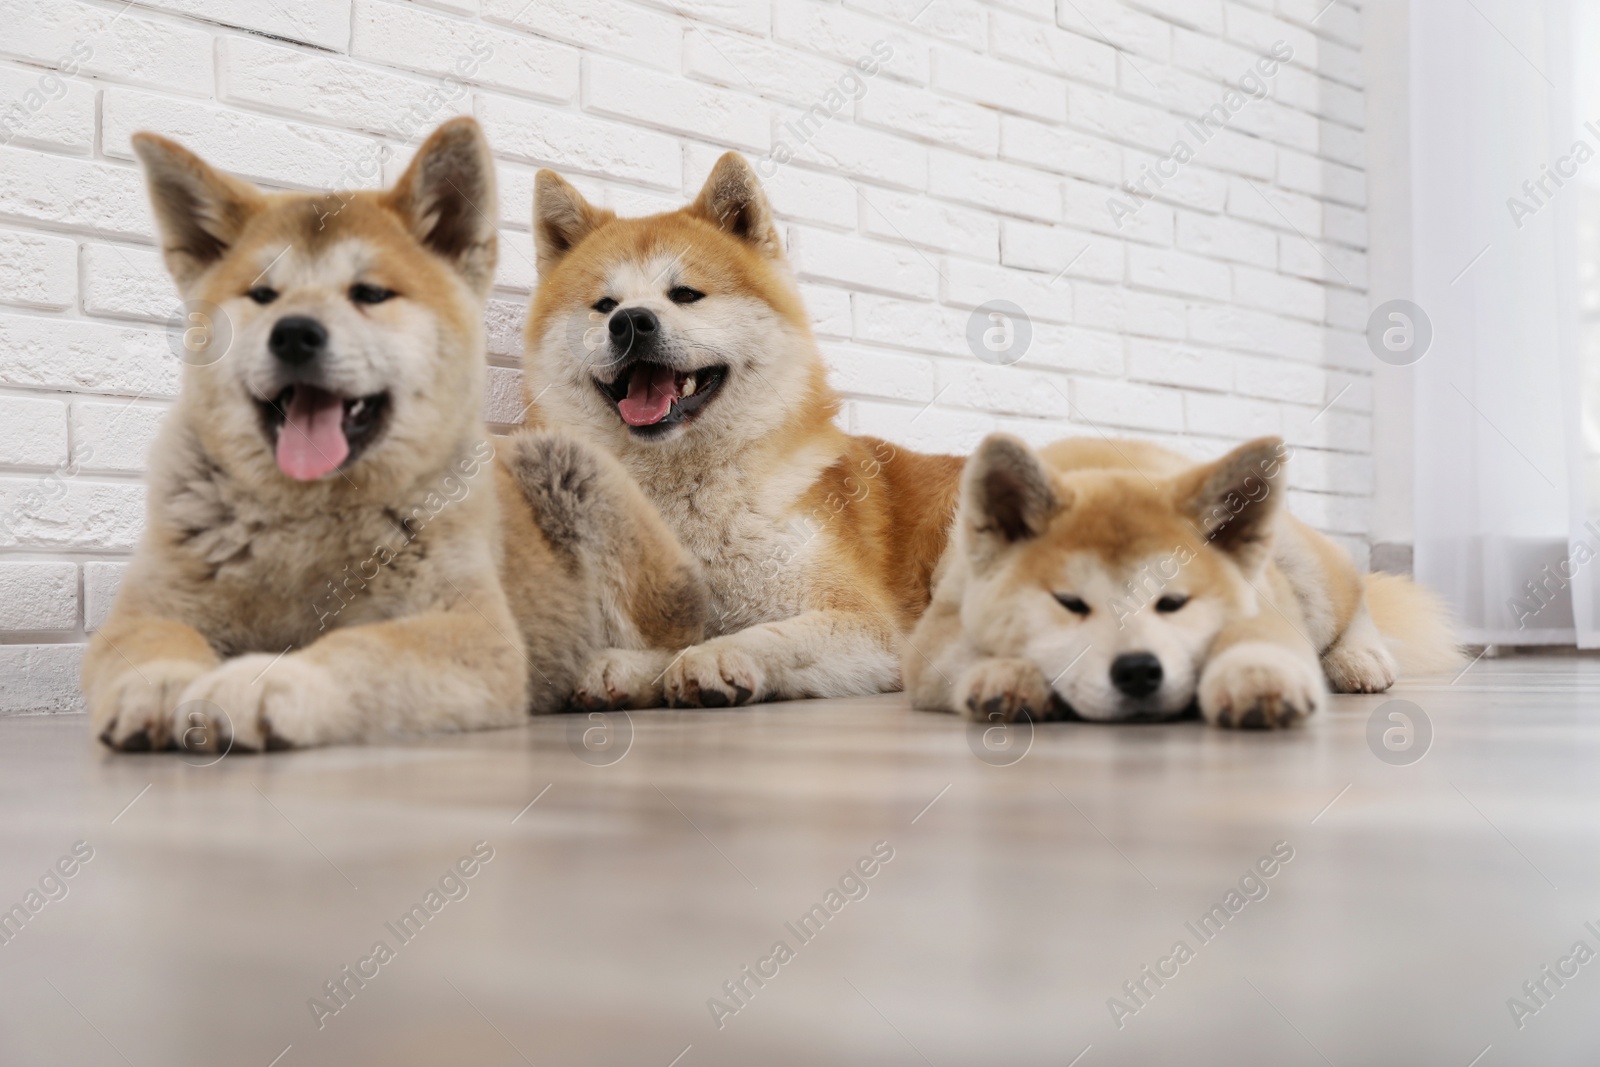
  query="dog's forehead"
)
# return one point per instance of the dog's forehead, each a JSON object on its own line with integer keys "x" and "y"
{"x": 1114, "y": 527}
{"x": 316, "y": 240}
{"x": 650, "y": 250}
{"x": 285, "y": 263}
{"x": 1089, "y": 572}
{"x": 1121, "y": 517}
{"x": 651, "y": 272}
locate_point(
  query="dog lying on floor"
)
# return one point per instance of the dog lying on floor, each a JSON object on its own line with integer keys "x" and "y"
{"x": 679, "y": 344}
{"x": 334, "y": 551}
{"x": 1124, "y": 582}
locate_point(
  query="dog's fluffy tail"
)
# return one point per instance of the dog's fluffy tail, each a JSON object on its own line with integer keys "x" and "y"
{"x": 1416, "y": 624}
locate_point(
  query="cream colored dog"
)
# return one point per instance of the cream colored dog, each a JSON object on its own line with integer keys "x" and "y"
{"x": 1121, "y": 581}
{"x": 334, "y": 551}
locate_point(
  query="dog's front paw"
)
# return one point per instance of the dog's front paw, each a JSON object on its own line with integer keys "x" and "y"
{"x": 1359, "y": 667}
{"x": 999, "y": 690}
{"x": 622, "y": 678}
{"x": 716, "y": 674}
{"x": 1259, "y": 685}
{"x": 261, "y": 703}
{"x": 136, "y": 712}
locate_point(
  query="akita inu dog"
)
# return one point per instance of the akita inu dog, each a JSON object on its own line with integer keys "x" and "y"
{"x": 332, "y": 551}
{"x": 1121, "y": 581}
{"x": 678, "y": 342}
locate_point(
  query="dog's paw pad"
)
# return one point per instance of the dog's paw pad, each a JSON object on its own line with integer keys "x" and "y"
{"x": 138, "y": 741}
{"x": 716, "y": 674}
{"x": 1359, "y": 668}
{"x": 620, "y": 678}
{"x": 1260, "y": 686}
{"x": 1000, "y": 690}
{"x": 261, "y": 703}
{"x": 588, "y": 702}
{"x": 136, "y": 714}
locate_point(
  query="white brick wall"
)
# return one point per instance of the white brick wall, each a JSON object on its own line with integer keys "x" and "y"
{"x": 976, "y": 166}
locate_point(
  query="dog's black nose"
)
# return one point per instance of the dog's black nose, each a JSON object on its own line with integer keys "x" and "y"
{"x": 632, "y": 328}
{"x": 297, "y": 339}
{"x": 1137, "y": 674}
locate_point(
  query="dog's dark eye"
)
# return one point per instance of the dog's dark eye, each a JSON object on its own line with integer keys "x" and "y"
{"x": 604, "y": 305}
{"x": 684, "y": 295}
{"x": 1073, "y": 604}
{"x": 362, "y": 293}
{"x": 262, "y": 294}
{"x": 1172, "y": 603}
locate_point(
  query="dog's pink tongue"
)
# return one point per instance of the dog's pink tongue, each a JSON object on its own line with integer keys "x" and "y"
{"x": 311, "y": 442}
{"x": 650, "y": 395}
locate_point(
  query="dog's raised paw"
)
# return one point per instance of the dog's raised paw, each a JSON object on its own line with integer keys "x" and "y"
{"x": 999, "y": 690}
{"x": 261, "y": 703}
{"x": 716, "y": 674}
{"x": 1259, "y": 685}
{"x": 561, "y": 479}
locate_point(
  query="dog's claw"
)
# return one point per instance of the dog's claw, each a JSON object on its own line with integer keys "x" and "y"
{"x": 1002, "y": 690}
{"x": 716, "y": 674}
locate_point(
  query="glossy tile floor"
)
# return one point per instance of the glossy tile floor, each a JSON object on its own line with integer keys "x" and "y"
{"x": 626, "y": 887}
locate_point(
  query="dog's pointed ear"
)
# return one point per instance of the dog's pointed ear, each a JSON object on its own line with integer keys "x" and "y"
{"x": 447, "y": 198}
{"x": 1234, "y": 501}
{"x": 199, "y": 211}
{"x": 1006, "y": 491}
{"x": 732, "y": 200}
{"x": 561, "y": 218}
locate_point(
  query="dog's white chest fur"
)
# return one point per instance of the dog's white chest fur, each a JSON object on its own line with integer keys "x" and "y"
{"x": 743, "y": 528}
{"x": 280, "y": 578}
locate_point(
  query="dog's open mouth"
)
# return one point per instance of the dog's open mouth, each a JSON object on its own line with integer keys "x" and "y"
{"x": 651, "y": 397}
{"x": 314, "y": 432}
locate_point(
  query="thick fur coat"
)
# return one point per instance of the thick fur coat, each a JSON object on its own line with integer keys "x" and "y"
{"x": 335, "y": 550}
{"x": 1121, "y": 581}
{"x": 678, "y": 343}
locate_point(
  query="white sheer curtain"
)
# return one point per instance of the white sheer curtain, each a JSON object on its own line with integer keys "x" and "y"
{"x": 1507, "y": 480}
